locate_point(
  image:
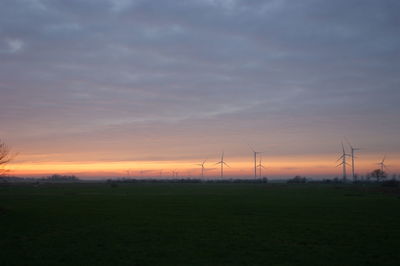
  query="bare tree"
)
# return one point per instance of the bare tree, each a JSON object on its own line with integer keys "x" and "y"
{"x": 378, "y": 174}
{"x": 5, "y": 157}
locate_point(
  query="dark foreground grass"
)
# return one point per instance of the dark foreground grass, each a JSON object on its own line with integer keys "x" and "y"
{"x": 197, "y": 224}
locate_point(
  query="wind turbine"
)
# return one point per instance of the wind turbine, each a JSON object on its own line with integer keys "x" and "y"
{"x": 202, "y": 167}
{"x": 343, "y": 163}
{"x": 382, "y": 164}
{"x": 352, "y": 157}
{"x": 255, "y": 160}
{"x": 173, "y": 173}
{"x": 260, "y": 165}
{"x": 128, "y": 173}
{"x": 222, "y": 162}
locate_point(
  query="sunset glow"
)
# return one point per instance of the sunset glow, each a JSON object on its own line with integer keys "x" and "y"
{"x": 317, "y": 167}
{"x": 102, "y": 88}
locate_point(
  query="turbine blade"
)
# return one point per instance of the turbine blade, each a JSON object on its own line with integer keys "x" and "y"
{"x": 340, "y": 158}
{"x": 251, "y": 148}
{"x": 348, "y": 142}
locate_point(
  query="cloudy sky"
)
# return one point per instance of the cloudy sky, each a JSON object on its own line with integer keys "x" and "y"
{"x": 101, "y": 87}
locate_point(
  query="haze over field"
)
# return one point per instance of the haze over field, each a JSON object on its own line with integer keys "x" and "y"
{"x": 97, "y": 88}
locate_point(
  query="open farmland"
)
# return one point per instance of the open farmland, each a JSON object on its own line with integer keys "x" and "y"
{"x": 198, "y": 224}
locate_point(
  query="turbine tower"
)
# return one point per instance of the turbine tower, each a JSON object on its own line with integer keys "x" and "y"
{"x": 260, "y": 166}
{"x": 128, "y": 173}
{"x": 343, "y": 163}
{"x": 255, "y": 160}
{"x": 352, "y": 158}
{"x": 382, "y": 164}
{"x": 222, "y": 162}
{"x": 202, "y": 167}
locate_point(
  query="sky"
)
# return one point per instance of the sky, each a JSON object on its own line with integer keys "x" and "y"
{"x": 110, "y": 88}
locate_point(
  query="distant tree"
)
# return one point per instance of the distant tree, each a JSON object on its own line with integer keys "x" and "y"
{"x": 378, "y": 174}
{"x": 57, "y": 178}
{"x": 5, "y": 157}
{"x": 297, "y": 180}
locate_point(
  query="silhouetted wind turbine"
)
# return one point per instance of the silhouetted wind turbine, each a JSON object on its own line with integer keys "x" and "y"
{"x": 129, "y": 173}
{"x": 222, "y": 162}
{"x": 255, "y": 160}
{"x": 260, "y": 165}
{"x": 202, "y": 167}
{"x": 343, "y": 163}
{"x": 382, "y": 164}
{"x": 352, "y": 158}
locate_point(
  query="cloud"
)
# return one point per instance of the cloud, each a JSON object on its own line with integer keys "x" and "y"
{"x": 11, "y": 46}
{"x": 283, "y": 71}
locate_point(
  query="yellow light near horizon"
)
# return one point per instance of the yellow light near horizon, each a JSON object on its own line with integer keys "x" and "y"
{"x": 300, "y": 165}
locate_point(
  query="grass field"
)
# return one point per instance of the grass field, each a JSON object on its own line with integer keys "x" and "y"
{"x": 198, "y": 224}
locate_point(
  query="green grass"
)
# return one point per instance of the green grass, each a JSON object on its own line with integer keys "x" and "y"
{"x": 197, "y": 224}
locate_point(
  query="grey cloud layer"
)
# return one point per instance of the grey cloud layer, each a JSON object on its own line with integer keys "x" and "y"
{"x": 72, "y": 67}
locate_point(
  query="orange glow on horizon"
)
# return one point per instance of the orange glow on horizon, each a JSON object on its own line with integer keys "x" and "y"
{"x": 240, "y": 167}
